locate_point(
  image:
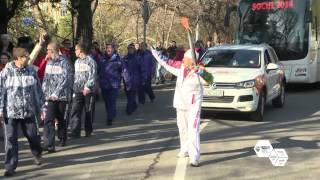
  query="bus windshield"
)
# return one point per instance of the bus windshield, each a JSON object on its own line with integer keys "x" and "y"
{"x": 279, "y": 23}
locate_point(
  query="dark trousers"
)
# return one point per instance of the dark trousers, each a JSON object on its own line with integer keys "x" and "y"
{"x": 110, "y": 101}
{"x": 131, "y": 101}
{"x": 79, "y": 103}
{"x": 55, "y": 109}
{"x": 143, "y": 89}
{"x": 30, "y": 130}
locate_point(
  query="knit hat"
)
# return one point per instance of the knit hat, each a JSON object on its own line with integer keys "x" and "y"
{"x": 188, "y": 54}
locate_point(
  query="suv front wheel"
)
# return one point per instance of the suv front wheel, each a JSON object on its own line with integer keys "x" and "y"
{"x": 257, "y": 115}
{"x": 278, "y": 102}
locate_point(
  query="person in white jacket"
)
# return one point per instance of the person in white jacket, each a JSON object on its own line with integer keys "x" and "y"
{"x": 187, "y": 101}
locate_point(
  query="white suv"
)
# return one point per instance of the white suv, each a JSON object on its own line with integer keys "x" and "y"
{"x": 246, "y": 77}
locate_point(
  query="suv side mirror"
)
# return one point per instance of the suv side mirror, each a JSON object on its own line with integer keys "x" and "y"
{"x": 272, "y": 66}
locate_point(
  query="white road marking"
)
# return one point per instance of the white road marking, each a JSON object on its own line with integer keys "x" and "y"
{"x": 182, "y": 163}
{"x": 181, "y": 169}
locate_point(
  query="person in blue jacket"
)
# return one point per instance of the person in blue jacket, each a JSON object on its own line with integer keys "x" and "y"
{"x": 109, "y": 71}
{"x": 133, "y": 71}
{"x": 149, "y": 63}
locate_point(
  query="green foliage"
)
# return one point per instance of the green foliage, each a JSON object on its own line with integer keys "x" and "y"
{"x": 65, "y": 27}
{"x": 58, "y": 29}
{"x": 16, "y": 27}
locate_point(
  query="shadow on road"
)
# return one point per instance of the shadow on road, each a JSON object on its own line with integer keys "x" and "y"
{"x": 152, "y": 134}
{"x": 294, "y": 88}
{"x": 156, "y": 134}
{"x": 300, "y": 114}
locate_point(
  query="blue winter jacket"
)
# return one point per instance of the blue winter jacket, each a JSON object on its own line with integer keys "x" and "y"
{"x": 133, "y": 71}
{"x": 148, "y": 62}
{"x": 109, "y": 71}
{"x": 21, "y": 93}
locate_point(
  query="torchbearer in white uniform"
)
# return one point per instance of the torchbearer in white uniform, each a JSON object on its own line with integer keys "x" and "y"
{"x": 187, "y": 101}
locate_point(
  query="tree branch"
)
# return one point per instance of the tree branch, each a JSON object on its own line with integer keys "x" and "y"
{"x": 94, "y": 5}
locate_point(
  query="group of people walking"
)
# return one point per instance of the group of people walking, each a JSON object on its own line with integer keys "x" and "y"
{"x": 56, "y": 90}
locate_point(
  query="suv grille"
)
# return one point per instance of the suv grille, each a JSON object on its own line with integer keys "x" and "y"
{"x": 225, "y": 85}
{"x": 214, "y": 99}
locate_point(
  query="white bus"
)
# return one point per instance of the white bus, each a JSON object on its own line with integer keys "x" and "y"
{"x": 291, "y": 27}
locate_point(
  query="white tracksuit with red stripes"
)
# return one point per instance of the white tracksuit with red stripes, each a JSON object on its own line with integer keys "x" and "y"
{"x": 187, "y": 101}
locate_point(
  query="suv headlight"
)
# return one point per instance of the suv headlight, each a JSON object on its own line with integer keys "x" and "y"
{"x": 246, "y": 84}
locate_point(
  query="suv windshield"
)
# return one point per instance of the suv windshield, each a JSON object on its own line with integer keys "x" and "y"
{"x": 232, "y": 58}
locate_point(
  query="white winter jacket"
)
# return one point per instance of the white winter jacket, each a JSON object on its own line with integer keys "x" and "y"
{"x": 189, "y": 90}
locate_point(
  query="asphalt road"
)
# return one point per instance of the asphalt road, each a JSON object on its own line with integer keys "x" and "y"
{"x": 145, "y": 144}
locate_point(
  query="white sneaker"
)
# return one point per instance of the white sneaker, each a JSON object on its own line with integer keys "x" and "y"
{"x": 195, "y": 163}
{"x": 183, "y": 154}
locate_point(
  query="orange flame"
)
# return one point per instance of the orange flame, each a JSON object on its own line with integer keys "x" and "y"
{"x": 185, "y": 23}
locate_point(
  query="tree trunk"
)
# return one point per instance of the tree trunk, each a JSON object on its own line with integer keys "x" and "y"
{"x": 84, "y": 29}
{"x": 73, "y": 26}
{"x": 157, "y": 30}
{"x": 43, "y": 28}
{"x": 164, "y": 24}
{"x": 3, "y": 17}
{"x": 7, "y": 12}
{"x": 4, "y": 20}
{"x": 101, "y": 33}
{"x": 170, "y": 28}
{"x": 4, "y": 26}
{"x": 137, "y": 28}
